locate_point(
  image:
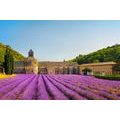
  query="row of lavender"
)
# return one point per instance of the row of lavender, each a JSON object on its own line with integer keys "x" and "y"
{"x": 58, "y": 87}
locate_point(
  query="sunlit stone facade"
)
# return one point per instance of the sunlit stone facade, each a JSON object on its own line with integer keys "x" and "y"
{"x": 58, "y": 67}
{"x": 98, "y": 68}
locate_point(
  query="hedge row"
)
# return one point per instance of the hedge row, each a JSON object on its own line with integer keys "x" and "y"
{"x": 109, "y": 77}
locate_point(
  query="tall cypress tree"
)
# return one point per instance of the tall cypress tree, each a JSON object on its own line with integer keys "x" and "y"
{"x": 12, "y": 64}
{"x": 8, "y": 61}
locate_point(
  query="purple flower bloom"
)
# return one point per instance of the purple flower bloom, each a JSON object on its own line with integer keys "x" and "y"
{"x": 58, "y": 87}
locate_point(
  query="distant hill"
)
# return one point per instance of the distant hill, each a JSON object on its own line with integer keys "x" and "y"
{"x": 17, "y": 55}
{"x": 103, "y": 55}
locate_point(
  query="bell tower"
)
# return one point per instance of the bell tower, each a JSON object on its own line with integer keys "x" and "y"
{"x": 31, "y": 64}
{"x": 30, "y": 53}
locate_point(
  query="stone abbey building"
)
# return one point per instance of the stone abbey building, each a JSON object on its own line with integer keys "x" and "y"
{"x": 30, "y": 65}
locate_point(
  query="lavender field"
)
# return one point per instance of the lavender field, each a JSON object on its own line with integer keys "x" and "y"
{"x": 58, "y": 87}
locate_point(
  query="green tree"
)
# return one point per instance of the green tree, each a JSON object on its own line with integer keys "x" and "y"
{"x": 86, "y": 70}
{"x": 8, "y": 61}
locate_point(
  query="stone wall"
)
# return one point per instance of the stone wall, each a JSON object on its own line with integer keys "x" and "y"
{"x": 57, "y": 67}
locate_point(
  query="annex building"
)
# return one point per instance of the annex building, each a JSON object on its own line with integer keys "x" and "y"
{"x": 98, "y": 68}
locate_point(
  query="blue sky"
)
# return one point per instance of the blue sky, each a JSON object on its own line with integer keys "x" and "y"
{"x": 58, "y": 40}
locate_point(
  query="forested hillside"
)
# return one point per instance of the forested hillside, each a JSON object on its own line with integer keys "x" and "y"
{"x": 103, "y": 55}
{"x": 17, "y": 55}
